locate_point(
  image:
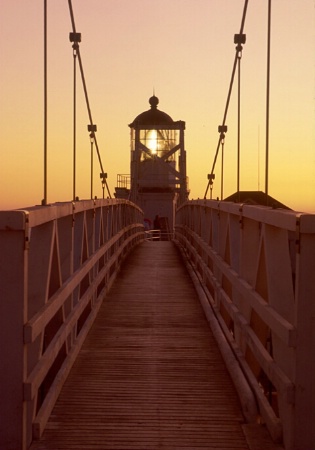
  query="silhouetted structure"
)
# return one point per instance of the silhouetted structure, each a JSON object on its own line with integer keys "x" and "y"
{"x": 158, "y": 179}
{"x": 255, "y": 198}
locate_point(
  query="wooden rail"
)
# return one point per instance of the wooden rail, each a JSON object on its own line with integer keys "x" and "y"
{"x": 256, "y": 266}
{"x": 56, "y": 265}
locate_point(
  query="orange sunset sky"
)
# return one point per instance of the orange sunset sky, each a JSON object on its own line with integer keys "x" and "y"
{"x": 184, "y": 51}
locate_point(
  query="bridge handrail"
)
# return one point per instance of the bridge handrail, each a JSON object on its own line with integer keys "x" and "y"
{"x": 158, "y": 235}
{"x": 255, "y": 265}
{"x": 56, "y": 265}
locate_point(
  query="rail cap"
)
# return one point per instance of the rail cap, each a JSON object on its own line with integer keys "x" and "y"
{"x": 36, "y": 215}
{"x": 281, "y": 218}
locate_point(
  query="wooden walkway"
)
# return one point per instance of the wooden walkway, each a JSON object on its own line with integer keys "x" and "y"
{"x": 150, "y": 375}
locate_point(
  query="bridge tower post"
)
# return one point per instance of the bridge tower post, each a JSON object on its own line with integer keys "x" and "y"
{"x": 13, "y": 311}
{"x": 304, "y": 414}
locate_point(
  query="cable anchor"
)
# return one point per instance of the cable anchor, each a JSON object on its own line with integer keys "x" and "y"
{"x": 239, "y": 39}
{"x": 103, "y": 177}
{"x": 75, "y": 38}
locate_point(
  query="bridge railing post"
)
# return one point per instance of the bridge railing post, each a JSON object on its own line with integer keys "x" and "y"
{"x": 13, "y": 310}
{"x": 304, "y": 414}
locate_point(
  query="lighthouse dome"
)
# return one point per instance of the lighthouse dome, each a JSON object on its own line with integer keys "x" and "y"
{"x": 152, "y": 116}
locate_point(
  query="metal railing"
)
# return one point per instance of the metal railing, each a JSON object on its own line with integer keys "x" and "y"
{"x": 159, "y": 235}
{"x": 123, "y": 181}
{"x": 56, "y": 265}
{"x": 256, "y": 268}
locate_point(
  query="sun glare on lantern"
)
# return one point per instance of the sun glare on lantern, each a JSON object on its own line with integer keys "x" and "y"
{"x": 152, "y": 141}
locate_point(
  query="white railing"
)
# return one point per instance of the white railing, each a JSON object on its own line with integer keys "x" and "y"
{"x": 257, "y": 269}
{"x": 56, "y": 265}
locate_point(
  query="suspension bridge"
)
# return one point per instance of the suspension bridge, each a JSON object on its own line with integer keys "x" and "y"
{"x": 150, "y": 321}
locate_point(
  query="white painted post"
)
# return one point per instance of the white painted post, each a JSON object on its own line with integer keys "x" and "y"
{"x": 304, "y": 415}
{"x": 13, "y": 309}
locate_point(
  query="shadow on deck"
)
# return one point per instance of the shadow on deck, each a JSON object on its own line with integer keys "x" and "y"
{"x": 150, "y": 374}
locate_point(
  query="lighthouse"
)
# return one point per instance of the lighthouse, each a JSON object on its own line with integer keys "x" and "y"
{"x": 158, "y": 180}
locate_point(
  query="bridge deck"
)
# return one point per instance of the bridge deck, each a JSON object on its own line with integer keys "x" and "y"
{"x": 150, "y": 375}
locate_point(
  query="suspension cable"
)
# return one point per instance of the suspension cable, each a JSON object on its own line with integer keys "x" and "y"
{"x": 103, "y": 175}
{"x": 238, "y": 121}
{"x": 44, "y": 201}
{"x": 268, "y": 101}
{"x": 92, "y": 129}
{"x": 239, "y": 39}
{"x": 222, "y": 165}
{"x": 211, "y": 175}
{"x": 75, "y": 47}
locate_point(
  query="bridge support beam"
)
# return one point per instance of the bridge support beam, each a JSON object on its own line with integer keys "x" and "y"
{"x": 13, "y": 294}
{"x": 304, "y": 414}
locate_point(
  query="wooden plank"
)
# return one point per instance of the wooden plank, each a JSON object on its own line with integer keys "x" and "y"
{"x": 149, "y": 374}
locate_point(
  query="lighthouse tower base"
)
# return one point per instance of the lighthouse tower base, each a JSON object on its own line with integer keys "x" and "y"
{"x": 159, "y": 204}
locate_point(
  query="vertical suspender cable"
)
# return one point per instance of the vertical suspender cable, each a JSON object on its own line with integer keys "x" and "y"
{"x": 222, "y": 153}
{"x": 74, "y": 119}
{"x": 267, "y": 102}
{"x": 239, "y": 127}
{"x": 44, "y": 201}
{"x": 239, "y": 39}
{"x": 91, "y": 138}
